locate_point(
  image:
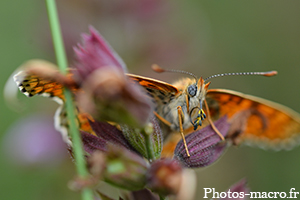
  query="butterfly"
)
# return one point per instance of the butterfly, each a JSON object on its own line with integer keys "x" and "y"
{"x": 184, "y": 106}
{"x": 255, "y": 121}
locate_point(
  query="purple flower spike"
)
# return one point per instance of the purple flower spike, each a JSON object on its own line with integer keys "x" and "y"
{"x": 204, "y": 146}
{"x": 95, "y": 53}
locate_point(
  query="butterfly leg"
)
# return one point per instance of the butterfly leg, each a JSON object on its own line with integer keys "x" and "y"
{"x": 212, "y": 123}
{"x": 181, "y": 129}
{"x": 162, "y": 119}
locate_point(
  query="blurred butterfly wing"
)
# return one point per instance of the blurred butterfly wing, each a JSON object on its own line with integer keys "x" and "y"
{"x": 31, "y": 85}
{"x": 160, "y": 91}
{"x": 255, "y": 121}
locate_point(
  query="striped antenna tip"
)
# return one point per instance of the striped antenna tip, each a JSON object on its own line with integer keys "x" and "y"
{"x": 157, "y": 68}
{"x": 270, "y": 73}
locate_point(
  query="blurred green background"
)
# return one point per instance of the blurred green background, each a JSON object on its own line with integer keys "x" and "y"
{"x": 203, "y": 37}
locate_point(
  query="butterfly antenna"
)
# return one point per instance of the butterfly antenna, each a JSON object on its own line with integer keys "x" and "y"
{"x": 270, "y": 73}
{"x": 158, "y": 69}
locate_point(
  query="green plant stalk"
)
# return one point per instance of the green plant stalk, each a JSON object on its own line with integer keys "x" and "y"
{"x": 149, "y": 144}
{"x": 87, "y": 193}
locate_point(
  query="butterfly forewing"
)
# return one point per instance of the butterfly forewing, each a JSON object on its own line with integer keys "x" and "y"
{"x": 160, "y": 91}
{"x": 254, "y": 120}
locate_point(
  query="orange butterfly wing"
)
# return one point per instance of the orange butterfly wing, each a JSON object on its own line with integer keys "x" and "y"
{"x": 31, "y": 85}
{"x": 255, "y": 120}
{"x": 160, "y": 91}
{"x": 153, "y": 84}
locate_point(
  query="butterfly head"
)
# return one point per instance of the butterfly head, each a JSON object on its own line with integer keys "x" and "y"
{"x": 197, "y": 90}
{"x": 196, "y": 93}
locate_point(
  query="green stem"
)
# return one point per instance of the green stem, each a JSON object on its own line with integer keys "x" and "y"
{"x": 149, "y": 144}
{"x": 87, "y": 193}
{"x": 56, "y": 36}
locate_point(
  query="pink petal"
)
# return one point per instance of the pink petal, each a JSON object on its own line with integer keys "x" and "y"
{"x": 95, "y": 53}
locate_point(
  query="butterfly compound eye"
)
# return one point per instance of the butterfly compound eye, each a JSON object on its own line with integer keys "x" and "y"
{"x": 192, "y": 90}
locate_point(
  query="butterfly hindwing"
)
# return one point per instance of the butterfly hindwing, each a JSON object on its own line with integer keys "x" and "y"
{"x": 255, "y": 120}
{"x": 31, "y": 85}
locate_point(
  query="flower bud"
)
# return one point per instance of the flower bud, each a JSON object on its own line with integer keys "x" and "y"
{"x": 95, "y": 53}
{"x": 109, "y": 96}
{"x": 167, "y": 177}
{"x": 125, "y": 169}
{"x": 164, "y": 176}
{"x": 204, "y": 145}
